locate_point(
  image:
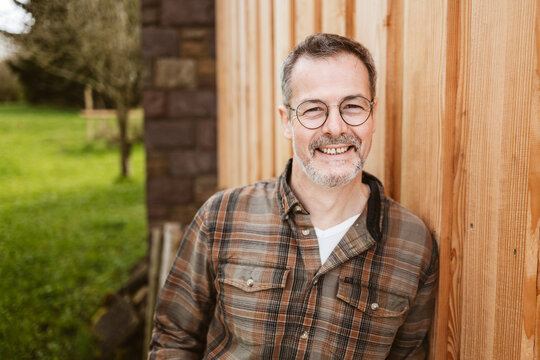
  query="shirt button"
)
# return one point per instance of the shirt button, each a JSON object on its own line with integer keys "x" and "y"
{"x": 250, "y": 282}
{"x": 374, "y": 306}
{"x": 304, "y": 335}
{"x": 305, "y": 232}
{"x": 298, "y": 208}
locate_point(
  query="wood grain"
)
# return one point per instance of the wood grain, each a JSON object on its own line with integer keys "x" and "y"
{"x": 253, "y": 171}
{"x": 304, "y": 19}
{"x": 283, "y": 44}
{"x": 222, "y": 82}
{"x": 533, "y": 223}
{"x": 372, "y": 32}
{"x": 334, "y": 18}
{"x": 265, "y": 76}
{"x": 457, "y": 141}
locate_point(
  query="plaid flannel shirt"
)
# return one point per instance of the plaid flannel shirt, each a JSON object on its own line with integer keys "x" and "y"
{"x": 248, "y": 282}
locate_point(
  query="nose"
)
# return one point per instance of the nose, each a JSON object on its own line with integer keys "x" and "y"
{"x": 334, "y": 124}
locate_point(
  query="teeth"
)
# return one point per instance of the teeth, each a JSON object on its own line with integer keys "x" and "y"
{"x": 334, "y": 151}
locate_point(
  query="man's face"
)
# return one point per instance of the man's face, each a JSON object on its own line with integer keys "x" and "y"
{"x": 333, "y": 154}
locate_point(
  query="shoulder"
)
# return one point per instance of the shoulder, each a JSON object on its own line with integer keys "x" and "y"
{"x": 411, "y": 238}
{"x": 259, "y": 196}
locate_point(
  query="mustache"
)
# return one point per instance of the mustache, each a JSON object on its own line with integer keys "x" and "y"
{"x": 325, "y": 140}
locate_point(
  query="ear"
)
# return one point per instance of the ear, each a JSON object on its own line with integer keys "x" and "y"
{"x": 285, "y": 122}
{"x": 374, "y": 114}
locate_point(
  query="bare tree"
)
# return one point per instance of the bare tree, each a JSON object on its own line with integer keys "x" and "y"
{"x": 93, "y": 42}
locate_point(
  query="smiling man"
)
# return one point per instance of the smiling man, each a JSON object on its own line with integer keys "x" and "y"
{"x": 317, "y": 263}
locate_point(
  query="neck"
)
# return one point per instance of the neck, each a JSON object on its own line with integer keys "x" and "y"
{"x": 329, "y": 206}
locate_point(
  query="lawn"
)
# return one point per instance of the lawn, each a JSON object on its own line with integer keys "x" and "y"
{"x": 69, "y": 231}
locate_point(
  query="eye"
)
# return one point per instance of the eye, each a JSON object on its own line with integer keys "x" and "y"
{"x": 313, "y": 109}
{"x": 354, "y": 107}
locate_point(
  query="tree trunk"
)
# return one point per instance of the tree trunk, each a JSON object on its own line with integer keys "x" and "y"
{"x": 125, "y": 144}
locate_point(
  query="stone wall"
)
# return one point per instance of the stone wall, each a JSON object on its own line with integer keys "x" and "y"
{"x": 179, "y": 100}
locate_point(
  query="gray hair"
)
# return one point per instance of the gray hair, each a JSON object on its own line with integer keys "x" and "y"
{"x": 321, "y": 46}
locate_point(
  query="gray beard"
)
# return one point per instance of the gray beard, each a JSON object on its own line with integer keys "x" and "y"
{"x": 323, "y": 179}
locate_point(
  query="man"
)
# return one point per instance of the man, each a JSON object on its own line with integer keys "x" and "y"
{"x": 317, "y": 263}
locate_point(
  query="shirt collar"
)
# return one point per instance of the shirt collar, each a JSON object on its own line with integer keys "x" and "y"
{"x": 375, "y": 205}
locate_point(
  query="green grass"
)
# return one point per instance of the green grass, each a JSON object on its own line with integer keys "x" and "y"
{"x": 69, "y": 231}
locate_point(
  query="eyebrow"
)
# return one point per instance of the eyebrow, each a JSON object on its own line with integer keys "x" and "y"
{"x": 339, "y": 101}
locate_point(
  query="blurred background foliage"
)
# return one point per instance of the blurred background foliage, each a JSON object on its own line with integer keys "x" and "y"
{"x": 75, "y": 44}
{"x": 72, "y": 221}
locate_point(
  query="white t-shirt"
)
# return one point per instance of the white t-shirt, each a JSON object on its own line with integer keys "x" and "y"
{"x": 329, "y": 238}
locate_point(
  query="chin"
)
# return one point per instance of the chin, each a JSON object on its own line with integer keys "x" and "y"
{"x": 332, "y": 179}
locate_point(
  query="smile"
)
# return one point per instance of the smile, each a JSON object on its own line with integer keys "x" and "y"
{"x": 334, "y": 151}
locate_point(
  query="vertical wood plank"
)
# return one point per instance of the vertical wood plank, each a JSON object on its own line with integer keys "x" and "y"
{"x": 490, "y": 186}
{"x": 371, "y": 31}
{"x": 304, "y": 19}
{"x": 533, "y": 224}
{"x": 252, "y": 104}
{"x": 243, "y": 106}
{"x": 283, "y": 43}
{"x": 394, "y": 98}
{"x": 420, "y": 131}
{"x": 233, "y": 119}
{"x": 269, "y": 121}
{"x": 334, "y": 18}
{"x": 514, "y": 326}
{"x": 223, "y": 80}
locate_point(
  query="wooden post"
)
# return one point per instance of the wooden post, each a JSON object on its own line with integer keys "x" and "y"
{"x": 153, "y": 282}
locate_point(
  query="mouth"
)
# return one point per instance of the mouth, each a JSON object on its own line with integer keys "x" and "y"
{"x": 343, "y": 144}
{"x": 335, "y": 150}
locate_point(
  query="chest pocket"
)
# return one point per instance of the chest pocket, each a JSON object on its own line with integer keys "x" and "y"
{"x": 379, "y": 311}
{"x": 250, "y": 296}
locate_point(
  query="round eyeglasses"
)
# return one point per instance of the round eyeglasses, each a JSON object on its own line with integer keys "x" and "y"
{"x": 354, "y": 110}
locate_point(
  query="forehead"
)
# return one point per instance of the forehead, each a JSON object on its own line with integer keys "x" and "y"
{"x": 329, "y": 78}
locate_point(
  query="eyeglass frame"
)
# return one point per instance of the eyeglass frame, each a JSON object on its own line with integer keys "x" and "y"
{"x": 370, "y": 102}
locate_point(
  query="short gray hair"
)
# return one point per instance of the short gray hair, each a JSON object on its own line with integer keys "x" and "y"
{"x": 321, "y": 46}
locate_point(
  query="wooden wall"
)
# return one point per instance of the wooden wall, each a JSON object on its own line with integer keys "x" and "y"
{"x": 457, "y": 140}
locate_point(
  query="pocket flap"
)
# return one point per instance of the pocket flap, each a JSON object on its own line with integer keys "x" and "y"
{"x": 370, "y": 301}
{"x": 251, "y": 278}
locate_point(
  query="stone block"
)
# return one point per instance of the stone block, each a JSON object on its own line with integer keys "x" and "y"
{"x": 205, "y": 186}
{"x": 184, "y": 163}
{"x": 147, "y": 73}
{"x": 195, "y": 33}
{"x": 149, "y": 16}
{"x": 192, "y": 162}
{"x": 194, "y": 48}
{"x": 185, "y": 213}
{"x": 154, "y": 103}
{"x": 212, "y": 43}
{"x": 198, "y": 103}
{"x": 158, "y": 42}
{"x": 176, "y": 73}
{"x": 157, "y": 214}
{"x": 206, "y": 67}
{"x": 207, "y": 134}
{"x": 157, "y": 164}
{"x": 149, "y": 3}
{"x": 169, "y": 134}
{"x": 170, "y": 191}
{"x": 187, "y": 12}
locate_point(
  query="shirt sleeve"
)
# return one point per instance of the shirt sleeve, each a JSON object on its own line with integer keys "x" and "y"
{"x": 186, "y": 301}
{"x": 412, "y": 339}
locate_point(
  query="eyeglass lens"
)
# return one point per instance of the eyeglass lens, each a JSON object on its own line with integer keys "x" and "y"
{"x": 354, "y": 111}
